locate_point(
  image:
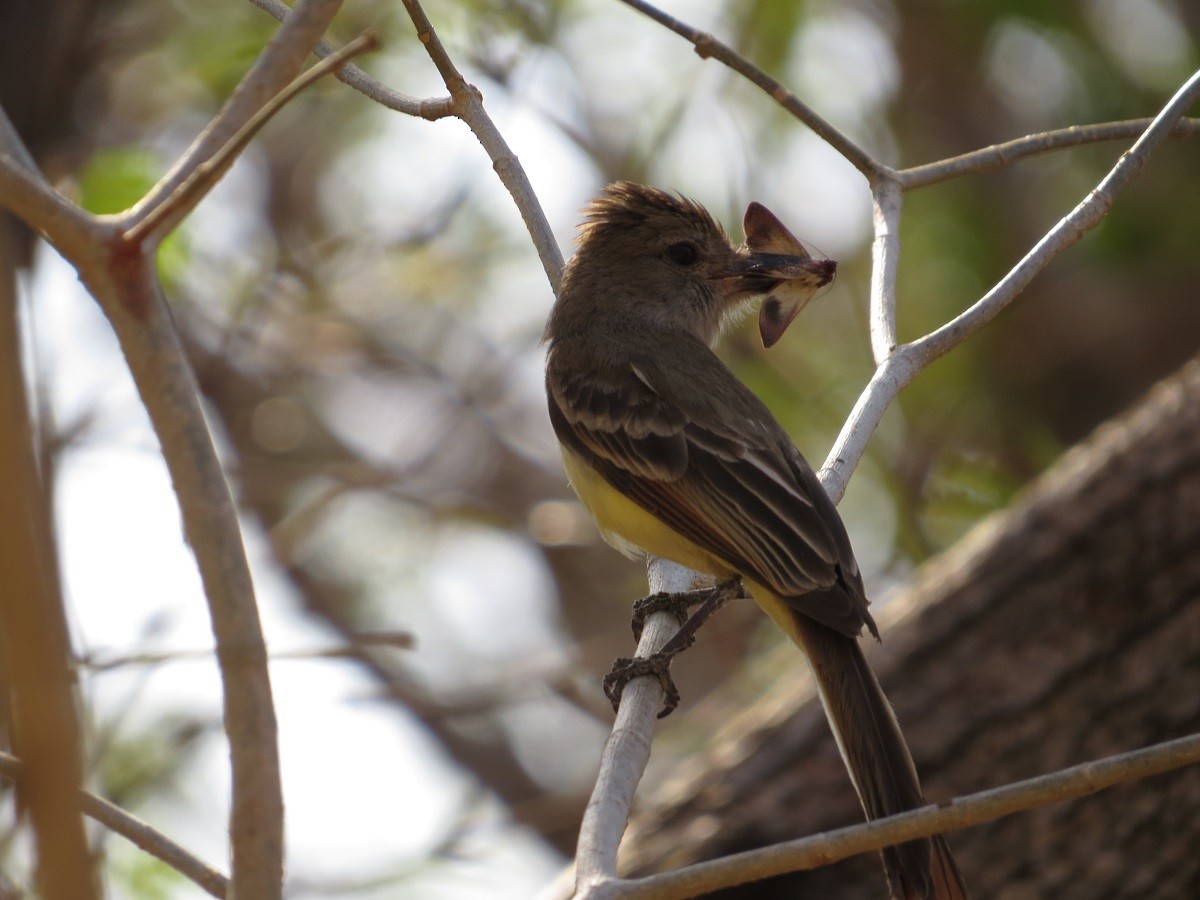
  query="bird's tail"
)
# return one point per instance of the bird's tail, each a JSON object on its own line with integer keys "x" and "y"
{"x": 877, "y": 757}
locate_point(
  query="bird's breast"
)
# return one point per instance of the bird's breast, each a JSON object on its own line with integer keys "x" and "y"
{"x": 629, "y": 528}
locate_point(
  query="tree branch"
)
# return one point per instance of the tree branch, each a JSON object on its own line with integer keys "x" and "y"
{"x": 708, "y": 47}
{"x": 962, "y": 812}
{"x": 278, "y": 64}
{"x": 468, "y": 106}
{"x": 999, "y": 155}
{"x": 909, "y": 360}
{"x": 40, "y": 704}
{"x": 885, "y": 261}
{"x": 165, "y": 217}
{"x": 1082, "y": 219}
{"x": 137, "y": 832}
{"x": 432, "y": 108}
{"x": 627, "y": 749}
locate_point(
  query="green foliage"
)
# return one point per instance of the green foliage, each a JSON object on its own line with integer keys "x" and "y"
{"x": 141, "y": 875}
{"x": 117, "y": 177}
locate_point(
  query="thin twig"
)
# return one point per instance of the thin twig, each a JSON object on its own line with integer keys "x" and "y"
{"x": 278, "y": 64}
{"x": 167, "y": 215}
{"x": 708, "y": 46}
{"x": 1082, "y": 219}
{"x": 1002, "y": 154}
{"x": 395, "y": 640}
{"x": 138, "y": 833}
{"x": 432, "y": 108}
{"x": 962, "y": 812}
{"x": 468, "y": 106}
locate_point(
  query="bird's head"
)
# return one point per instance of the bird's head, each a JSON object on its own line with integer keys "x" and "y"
{"x": 658, "y": 261}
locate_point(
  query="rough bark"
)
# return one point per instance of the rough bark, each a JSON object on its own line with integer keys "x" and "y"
{"x": 1064, "y": 629}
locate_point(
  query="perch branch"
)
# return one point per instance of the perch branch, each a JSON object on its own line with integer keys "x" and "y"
{"x": 626, "y": 751}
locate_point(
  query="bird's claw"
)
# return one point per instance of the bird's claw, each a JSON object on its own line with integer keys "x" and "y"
{"x": 626, "y": 668}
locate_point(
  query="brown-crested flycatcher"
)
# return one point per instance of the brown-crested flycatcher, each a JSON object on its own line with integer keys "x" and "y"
{"x": 674, "y": 456}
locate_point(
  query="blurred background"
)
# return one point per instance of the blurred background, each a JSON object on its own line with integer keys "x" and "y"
{"x": 363, "y": 309}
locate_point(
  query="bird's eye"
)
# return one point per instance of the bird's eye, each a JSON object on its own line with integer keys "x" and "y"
{"x": 683, "y": 253}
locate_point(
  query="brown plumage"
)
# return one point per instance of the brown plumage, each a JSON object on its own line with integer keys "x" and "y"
{"x": 676, "y": 457}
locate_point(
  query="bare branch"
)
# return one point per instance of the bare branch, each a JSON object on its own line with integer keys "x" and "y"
{"x": 278, "y": 64}
{"x": 908, "y": 360}
{"x": 885, "y": 260}
{"x": 167, "y": 215}
{"x": 130, "y": 296}
{"x": 393, "y": 640}
{"x": 432, "y": 108}
{"x": 999, "y": 155}
{"x": 708, "y": 46}
{"x": 468, "y": 106}
{"x": 627, "y": 749}
{"x": 823, "y": 849}
{"x": 1083, "y": 218}
{"x": 26, "y": 195}
{"x": 137, "y": 832}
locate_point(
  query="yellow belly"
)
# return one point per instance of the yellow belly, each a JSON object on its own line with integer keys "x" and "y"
{"x": 629, "y": 528}
{"x": 633, "y": 531}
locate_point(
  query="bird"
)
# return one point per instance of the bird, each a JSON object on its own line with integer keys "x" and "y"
{"x": 675, "y": 457}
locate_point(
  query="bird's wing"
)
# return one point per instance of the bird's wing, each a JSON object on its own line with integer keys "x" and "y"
{"x": 732, "y": 484}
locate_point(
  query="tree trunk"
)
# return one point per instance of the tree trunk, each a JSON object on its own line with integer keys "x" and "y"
{"x": 1064, "y": 629}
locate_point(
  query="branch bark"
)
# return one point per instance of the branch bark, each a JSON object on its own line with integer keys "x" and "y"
{"x": 34, "y": 642}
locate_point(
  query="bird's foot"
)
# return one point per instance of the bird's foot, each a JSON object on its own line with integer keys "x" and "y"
{"x": 627, "y": 668}
{"x": 679, "y": 604}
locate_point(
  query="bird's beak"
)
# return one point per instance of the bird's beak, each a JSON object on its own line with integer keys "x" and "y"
{"x": 774, "y": 262}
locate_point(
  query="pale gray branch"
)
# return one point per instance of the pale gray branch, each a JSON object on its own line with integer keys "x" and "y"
{"x": 999, "y": 155}
{"x": 468, "y": 106}
{"x": 431, "y": 108}
{"x": 627, "y": 749}
{"x": 962, "y": 812}
{"x": 708, "y": 46}
{"x": 1083, "y": 218}
{"x": 907, "y": 360}
{"x": 885, "y": 262}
